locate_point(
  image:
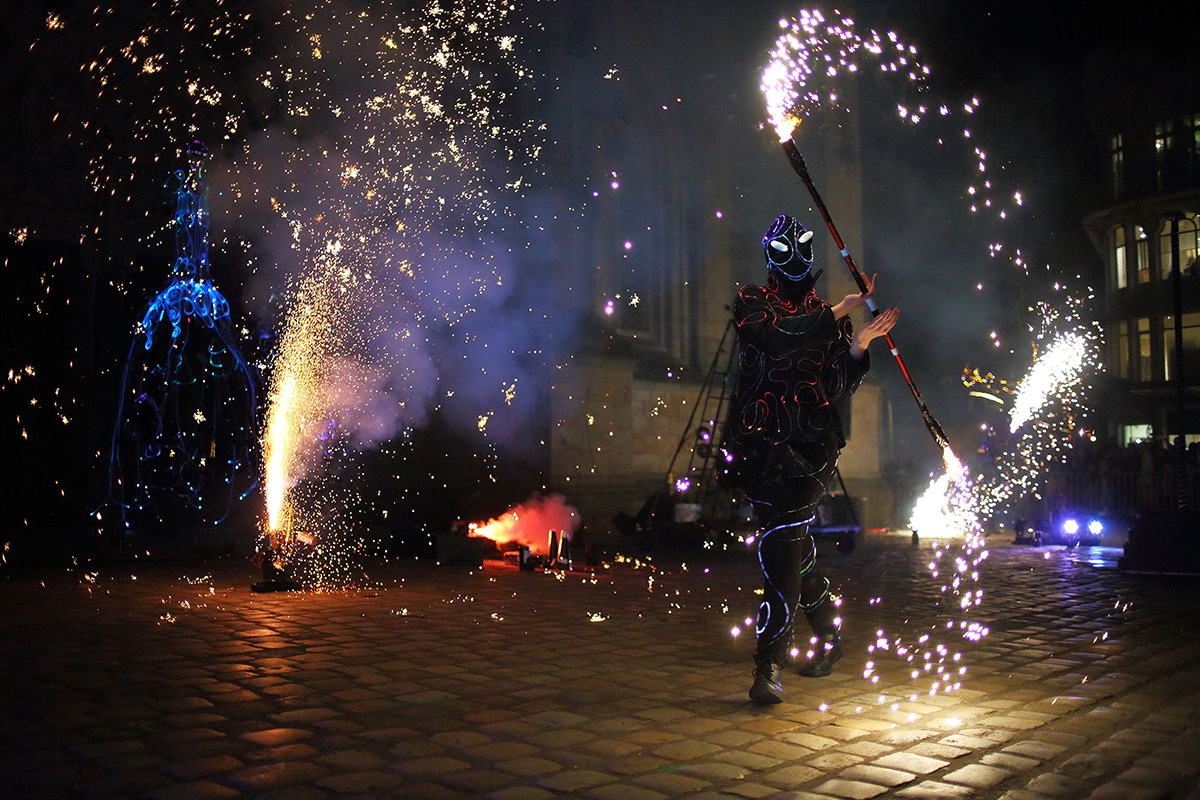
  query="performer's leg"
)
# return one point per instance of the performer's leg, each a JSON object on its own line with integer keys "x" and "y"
{"x": 825, "y": 647}
{"x": 820, "y": 607}
{"x": 786, "y": 502}
{"x": 785, "y": 555}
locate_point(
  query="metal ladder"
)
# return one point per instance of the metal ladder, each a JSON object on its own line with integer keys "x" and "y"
{"x": 716, "y": 393}
{"x": 704, "y": 431}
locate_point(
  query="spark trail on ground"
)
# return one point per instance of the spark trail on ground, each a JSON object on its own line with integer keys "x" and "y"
{"x": 812, "y": 56}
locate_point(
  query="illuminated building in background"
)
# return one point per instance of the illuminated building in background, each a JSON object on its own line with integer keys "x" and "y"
{"x": 1144, "y": 109}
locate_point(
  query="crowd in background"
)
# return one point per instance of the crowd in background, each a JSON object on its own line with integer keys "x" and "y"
{"x": 1135, "y": 477}
{"x": 1153, "y": 455}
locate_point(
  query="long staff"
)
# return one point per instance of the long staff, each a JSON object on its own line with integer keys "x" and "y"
{"x": 798, "y": 164}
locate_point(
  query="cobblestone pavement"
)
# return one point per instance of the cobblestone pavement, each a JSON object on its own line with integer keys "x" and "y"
{"x": 173, "y": 680}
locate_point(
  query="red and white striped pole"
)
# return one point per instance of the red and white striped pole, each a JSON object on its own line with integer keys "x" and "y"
{"x": 798, "y": 164}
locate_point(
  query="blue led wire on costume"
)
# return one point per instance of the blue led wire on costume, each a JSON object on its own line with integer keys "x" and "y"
{"x": 183, "y": 443}
{"x": 778, "y": 597}
{"x": 783, "y": 433}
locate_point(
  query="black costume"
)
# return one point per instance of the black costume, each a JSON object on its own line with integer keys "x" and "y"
{"x": 785, "y": 436}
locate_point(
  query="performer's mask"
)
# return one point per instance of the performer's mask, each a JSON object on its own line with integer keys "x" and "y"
{"x": 788, "y": 247}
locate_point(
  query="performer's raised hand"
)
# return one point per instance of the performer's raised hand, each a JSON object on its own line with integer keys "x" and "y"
{"x": 853, "y": 301}
{"x": 879, "y": 326}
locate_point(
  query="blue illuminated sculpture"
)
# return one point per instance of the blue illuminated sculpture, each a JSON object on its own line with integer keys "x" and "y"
{"x": 182, "y": 448}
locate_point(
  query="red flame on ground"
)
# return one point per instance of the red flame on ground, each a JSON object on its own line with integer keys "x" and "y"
{"x": 530, "y": 523}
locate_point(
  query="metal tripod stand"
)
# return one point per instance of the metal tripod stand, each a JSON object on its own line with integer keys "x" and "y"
{"x": 705, "y": 431}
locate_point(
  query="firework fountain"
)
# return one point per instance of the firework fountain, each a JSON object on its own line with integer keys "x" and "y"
{"x": 393, "y": 222}
{"x": 809, "y": 56}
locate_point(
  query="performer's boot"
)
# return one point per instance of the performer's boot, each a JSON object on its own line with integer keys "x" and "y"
{"x": 828, "y": 648}
{"x": 768, "y": 682}
{"x": 826, "y": 652}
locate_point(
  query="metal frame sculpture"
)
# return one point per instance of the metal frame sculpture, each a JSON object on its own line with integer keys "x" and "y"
{"x": 183, "y": 443}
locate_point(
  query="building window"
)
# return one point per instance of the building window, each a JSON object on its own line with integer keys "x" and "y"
{"x": 1191, "y": 144}
{"x": 1135, "y": 434}
{"x": 1163, "y": 141}
{"x": 1187, "y": 246}
{"x": 1191, "y": 345}
{"x": 1121, "y": 350}
{"x": 1117, "y": 154}
{"x": 1145, "y": 372}
{"x": 1143, "y": 255}
{"x": 1119, "y": 257}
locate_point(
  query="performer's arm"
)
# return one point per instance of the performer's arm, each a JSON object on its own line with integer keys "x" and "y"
{"x": 853, "y": 301}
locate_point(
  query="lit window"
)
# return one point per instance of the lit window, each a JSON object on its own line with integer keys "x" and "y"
{"x": 1162, "y": 150}
{"x": 1117, "y": 152}
{"x": 1143, "y": 255}
{"x": 1191, "y": 142}
{"x": 1119, "y": 257}
{"x": 1135, "y": 434}
{"x": 1145, "y": 372}
{"x": 1187, "y": 246}
{"x": 1191, "y": 344}
{"x": 1121, "y": 347}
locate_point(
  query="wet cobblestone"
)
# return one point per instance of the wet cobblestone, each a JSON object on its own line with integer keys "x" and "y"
{"x": 173, "y": 680}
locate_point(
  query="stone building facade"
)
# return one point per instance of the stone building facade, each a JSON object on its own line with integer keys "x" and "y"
{"x": 676, "y": 224}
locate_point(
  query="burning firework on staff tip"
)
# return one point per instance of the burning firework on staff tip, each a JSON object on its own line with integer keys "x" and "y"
{"x": 798, "y": 356}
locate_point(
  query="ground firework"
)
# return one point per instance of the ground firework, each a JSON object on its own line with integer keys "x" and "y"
{"x": 391, "y": 213}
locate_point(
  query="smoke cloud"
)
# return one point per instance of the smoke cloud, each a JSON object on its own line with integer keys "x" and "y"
{"x": 383, "y": 199}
